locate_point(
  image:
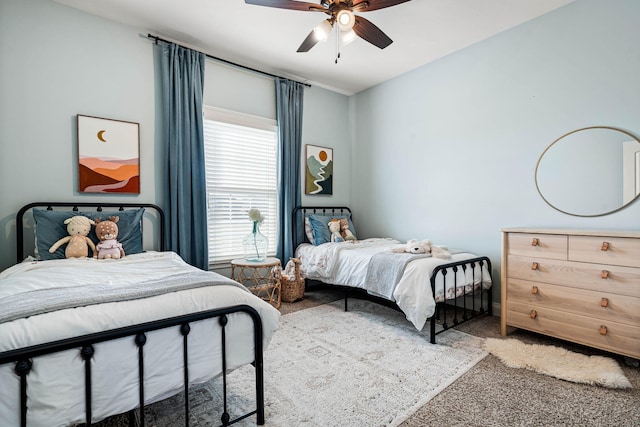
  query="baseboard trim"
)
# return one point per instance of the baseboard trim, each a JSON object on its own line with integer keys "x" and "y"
{"x": 496, "y": 309}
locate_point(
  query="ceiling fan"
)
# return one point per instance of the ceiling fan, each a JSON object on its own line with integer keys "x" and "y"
{"x": 341, "y": 13}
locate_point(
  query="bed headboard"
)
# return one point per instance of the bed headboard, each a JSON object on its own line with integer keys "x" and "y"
{"x": 297, "y": 222}
{"x": 25, "y": 224}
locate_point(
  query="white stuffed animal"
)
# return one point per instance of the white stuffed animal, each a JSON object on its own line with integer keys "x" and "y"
{"x": 334, "y": 228}
{"x": 418, "y": 246}
{"x": 291, "y": 267}
{"x": 440, "y": 252}
{"x": 414, "y": 246}
{"x": 78, "y": 241}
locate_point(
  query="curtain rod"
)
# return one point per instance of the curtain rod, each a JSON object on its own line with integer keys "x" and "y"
{"x": 156, "y": 39}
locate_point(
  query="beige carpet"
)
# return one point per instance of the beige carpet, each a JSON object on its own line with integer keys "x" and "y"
{"x": 496, "y": 395}
{"x": 558, "y": 362}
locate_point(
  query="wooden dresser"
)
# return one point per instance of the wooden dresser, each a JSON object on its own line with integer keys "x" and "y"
{"x": 578, "y": 285}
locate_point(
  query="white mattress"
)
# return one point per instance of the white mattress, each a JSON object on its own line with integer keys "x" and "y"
{"x": 346, "y": 264}
{"x": 55, "y": 384}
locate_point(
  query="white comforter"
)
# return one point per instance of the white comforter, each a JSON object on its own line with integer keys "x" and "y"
{"x": 55, "y": 385}
{"x": 346, "y": 264}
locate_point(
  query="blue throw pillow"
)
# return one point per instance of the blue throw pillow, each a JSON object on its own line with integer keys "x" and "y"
{"x": 320, "y": 227}
{"x": 50, "y": 228}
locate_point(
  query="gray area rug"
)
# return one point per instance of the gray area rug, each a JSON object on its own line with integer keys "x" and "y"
{"x": 327, "y": 367}
{"x": 489, "y": 394}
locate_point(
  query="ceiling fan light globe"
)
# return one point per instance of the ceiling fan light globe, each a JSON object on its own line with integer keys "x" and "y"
{"x": 322, "y": 30}
{"x": 348, "y": 37}
{"x": 345, "y": 19}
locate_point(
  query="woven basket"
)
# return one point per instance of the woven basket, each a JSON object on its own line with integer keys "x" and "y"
{"x": 292, "y": 290}
{"x": 292, "y": 286}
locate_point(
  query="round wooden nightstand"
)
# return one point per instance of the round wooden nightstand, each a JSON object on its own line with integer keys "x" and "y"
{"x": 258, "y": 277}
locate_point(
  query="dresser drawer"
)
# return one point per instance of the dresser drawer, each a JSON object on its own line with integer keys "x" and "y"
{"x": 595, "y": 277}
{"x": 600, "y": 305}
{"x": 539, "y": 245}
{"x": 605, "y": 250}
{"x": 603, "y": 334}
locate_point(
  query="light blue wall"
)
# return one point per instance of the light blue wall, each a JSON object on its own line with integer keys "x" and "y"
{"x": 448, "y": 151}
{"x": 249, "y": 93}
{"x": 56, "y": 62}
{"x": 326, "y": 124}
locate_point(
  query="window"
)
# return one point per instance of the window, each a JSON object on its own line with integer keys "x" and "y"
{"x": 240, "y": 157}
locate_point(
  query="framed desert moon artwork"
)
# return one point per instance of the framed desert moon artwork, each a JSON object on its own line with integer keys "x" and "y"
{"x": 319, "y": 170}
{"x": 108, "y": 155}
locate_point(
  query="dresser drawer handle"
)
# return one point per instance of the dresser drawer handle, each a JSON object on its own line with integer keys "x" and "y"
{"x": 604, "y": 302}
{"x": 605, "y": 274}
{"x": 603, "y": 330}
{"x": 534, "y": 266}
{"x": 534, "y": 290}
{"x": 605, "y": 246}
{"x": 535, "y": 242}
{"x": 533, "y": 314}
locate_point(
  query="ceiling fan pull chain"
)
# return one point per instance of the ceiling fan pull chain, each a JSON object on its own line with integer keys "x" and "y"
{"x": 337, "y": 44}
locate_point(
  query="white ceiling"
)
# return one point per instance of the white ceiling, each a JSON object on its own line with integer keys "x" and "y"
{"x": 267, "y": 38}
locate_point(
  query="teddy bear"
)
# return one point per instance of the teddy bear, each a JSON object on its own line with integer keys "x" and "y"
{"x": 78, "y": 242}
{"x": 414, "y": 246}
{"x": 334, "y": 228}
{"x": 107, "y": 232}
{"x": 346, "y": 234}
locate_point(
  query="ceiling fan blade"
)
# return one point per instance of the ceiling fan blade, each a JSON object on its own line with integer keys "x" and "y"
{"x": 369, "y": 5}
{"x": 369, "y": 32}
{"x": 288, "y": 4}
{"x": 308, "y": 43}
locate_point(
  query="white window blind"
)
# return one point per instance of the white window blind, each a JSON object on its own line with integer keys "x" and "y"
{"x": 240, "y": 157}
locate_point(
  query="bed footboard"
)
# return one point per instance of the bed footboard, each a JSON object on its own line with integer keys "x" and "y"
{"x": 26, "y": 358}
{"x": 452, "y": 311}
{"x": 471, "y": 303}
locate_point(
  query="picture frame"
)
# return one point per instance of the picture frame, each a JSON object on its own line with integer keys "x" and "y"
{"x": 108, "y": 155}
{"x": 318, "y": 170}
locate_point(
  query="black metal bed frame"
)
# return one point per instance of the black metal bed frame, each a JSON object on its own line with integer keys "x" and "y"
{"x": 25, "y": 358}
{"x": 98, "y": 206}
{"x": 456, "y": 310}
{"x": 452, "y": 306}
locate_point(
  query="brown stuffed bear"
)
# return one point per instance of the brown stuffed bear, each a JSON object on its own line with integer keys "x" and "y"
{"x": 107, "y": 232}
{"x": 344, "y": 230}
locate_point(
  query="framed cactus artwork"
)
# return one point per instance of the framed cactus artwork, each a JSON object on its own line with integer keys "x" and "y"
{"x": 108, "y": 155}
{"x": 319, "y": 170}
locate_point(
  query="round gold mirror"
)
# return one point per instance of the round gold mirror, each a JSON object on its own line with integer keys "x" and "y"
{"x": 591, "y": 171}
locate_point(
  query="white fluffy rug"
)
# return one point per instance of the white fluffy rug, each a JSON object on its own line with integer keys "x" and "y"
{"x": 325, "y": 367}
{"x": 558, "y": 362}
